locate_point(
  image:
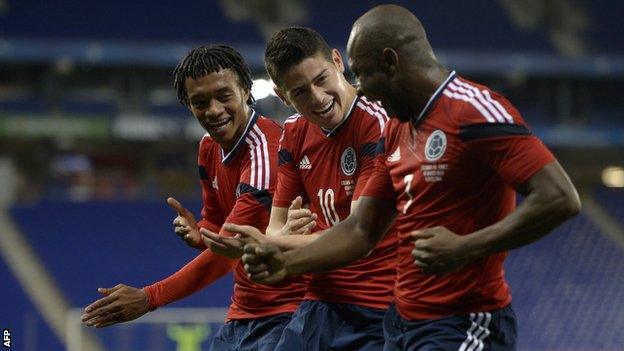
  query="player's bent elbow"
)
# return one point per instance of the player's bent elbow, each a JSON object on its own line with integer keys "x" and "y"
{"x": 565, "y": 203}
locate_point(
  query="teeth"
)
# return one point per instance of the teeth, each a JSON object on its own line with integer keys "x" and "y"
{"x": 325, "y": 108}
{"x": 219, "y": 123}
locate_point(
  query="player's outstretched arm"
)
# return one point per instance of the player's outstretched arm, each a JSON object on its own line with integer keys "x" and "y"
{"x": 347, "y": 241}
{"x": 121, "y": 303}
{"x": 185, "y": 225}
{"x": 550, "y": 200}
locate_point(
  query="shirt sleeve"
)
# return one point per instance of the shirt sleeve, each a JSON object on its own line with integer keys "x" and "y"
{"x": 289, "y": 182}
{"x": 197, "y": 274}
{"x": 254, "y": 194}
{"x": 509, "y": 148}
{"x": 367, "y": 150}
{"x": 379, "y": 184}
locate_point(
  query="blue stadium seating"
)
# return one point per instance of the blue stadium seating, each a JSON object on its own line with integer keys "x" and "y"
{"x": 99, "y": 244}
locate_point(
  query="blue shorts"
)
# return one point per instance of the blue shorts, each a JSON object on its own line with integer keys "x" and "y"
{"x": 492, "y": 331}
{"x": 260, "y": 334}
{"x": 319, "y": 325}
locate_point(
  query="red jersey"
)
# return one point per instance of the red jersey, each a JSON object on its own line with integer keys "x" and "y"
{"x": 330, "y": 170}
{"x": 457, "y": 168}
{"x": 237, "y": 188}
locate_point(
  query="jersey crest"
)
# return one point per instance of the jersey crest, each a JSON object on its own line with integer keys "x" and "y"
{"x": 435, "y": 146}
{"x": 348, "y": 161}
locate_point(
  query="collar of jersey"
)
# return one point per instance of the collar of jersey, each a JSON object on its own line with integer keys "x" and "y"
{"x": 433, "y": 98}
{"x": 331, "y": 133}
{"x": 225, "y": 158}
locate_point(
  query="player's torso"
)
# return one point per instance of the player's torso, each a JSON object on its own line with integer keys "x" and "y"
{"x": 329, "y": 170}
{"x": 439, "y": 182}
{"x": 330, "y": 167}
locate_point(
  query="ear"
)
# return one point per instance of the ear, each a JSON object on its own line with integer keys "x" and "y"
{"x": 337, "y": 59}
{"x": 390, "y": 61}
{"x": 280, "y": 94}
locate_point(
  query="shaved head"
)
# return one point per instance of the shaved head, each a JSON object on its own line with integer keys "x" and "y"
{"x": 392, "y": 61}
{"x": 390, "y": 26}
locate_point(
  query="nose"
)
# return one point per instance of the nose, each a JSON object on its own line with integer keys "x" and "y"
{"x": 215, "y": 109}
{"x": 316, "y": 94}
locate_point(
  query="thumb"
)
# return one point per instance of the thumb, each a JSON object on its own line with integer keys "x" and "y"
{"x": 244, "y": 230}
{"x": 296, "y": 203}
{"x": 177, "y": 206}
{"x": 108, "y": 291}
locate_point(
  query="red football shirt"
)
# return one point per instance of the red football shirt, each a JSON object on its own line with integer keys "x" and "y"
{"x": 330, "y": 170}
{"x": 237, "y": 188}
{"x": 457, "y": 169}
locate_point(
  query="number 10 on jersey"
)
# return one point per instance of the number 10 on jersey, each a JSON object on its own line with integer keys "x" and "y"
{"x": 326, "y": 200}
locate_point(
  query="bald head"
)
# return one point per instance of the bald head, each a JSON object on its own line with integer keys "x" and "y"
{"x": 390, "y": 26}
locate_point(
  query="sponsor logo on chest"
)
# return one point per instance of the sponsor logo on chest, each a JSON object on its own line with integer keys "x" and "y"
{"x": 305, "y": 163}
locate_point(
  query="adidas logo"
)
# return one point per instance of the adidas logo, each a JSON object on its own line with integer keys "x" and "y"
{"x": 305, "y": 163}
{"x": 395, "y": 156}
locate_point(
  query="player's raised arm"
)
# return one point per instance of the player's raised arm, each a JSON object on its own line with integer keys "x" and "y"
{"x": 347, "y": 241}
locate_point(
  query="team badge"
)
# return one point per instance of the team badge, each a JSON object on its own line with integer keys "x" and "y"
{"x": 348, "y": 162}
{"x": 435, "y": 146}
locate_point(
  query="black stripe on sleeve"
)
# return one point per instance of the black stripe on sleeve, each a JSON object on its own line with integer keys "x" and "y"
{"x": 203, "y": 174}
{"x": 368, "y": 150}
{"x": 285, "y": 157}
{"x": 380, "y": 148}
{"x": 490, "y": 130}
{"x": 262, "y": 196}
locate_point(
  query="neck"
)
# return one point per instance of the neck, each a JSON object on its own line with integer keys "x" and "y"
{"x": 350, "y": 93}
{"x": 424, "y": 84}
{"x": 241, "y": 129}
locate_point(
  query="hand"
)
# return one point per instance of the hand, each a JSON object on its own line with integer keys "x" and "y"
{"x": 300, "y": 220}
{"x": 263, "y": 261}
{"x": 438, "y": 250}
{"x": 231, "y": 247}
{"x": 121, "y": 304}
{"x": 184, "y": 224}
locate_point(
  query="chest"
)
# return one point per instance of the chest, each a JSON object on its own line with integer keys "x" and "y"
{"x": 431, "y": 164}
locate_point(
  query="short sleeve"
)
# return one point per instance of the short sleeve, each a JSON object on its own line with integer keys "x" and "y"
{"x": 376, "y": 120}
{"x": 497, "y": 136}
{"x": 379, "y": 184}
{"x": 289, "y": 182}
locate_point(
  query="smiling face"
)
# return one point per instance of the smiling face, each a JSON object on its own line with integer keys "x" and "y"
{"x": 219, "y": 103}
{"x": 317, "y": 89}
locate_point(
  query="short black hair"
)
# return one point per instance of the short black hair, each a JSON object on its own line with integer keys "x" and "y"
{"x": 288, "y": 47}
{"x": 205, "y": 60}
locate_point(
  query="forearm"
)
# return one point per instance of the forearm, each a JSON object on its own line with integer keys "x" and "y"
{"x": 340, "y": 245}
{"x": 542, "y": 211}
{"x": 290, "y": 242}
{"x": 203, "y": 270}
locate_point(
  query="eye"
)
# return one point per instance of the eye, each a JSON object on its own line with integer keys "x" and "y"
{"x": 199, "y": 104}
{"x": 225, "y": 97}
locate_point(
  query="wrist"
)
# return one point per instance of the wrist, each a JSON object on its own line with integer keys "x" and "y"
{"x": 288, "y": 263}
{"x": 471, "y": 247}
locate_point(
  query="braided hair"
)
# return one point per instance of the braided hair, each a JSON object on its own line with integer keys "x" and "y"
{"x": 205, "y": 60}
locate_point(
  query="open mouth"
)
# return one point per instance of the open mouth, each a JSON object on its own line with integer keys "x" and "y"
{"x": 219, "y": 125}
{"x": 326, "y": 109}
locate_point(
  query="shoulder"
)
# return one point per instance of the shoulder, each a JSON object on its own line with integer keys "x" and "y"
{"x": 473, "y": 103}
{"x": 295, "y": 125}
{"x": 371, "y": 113}
{"x": 267, "y": 126}
{"x": 206, "y": 144}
